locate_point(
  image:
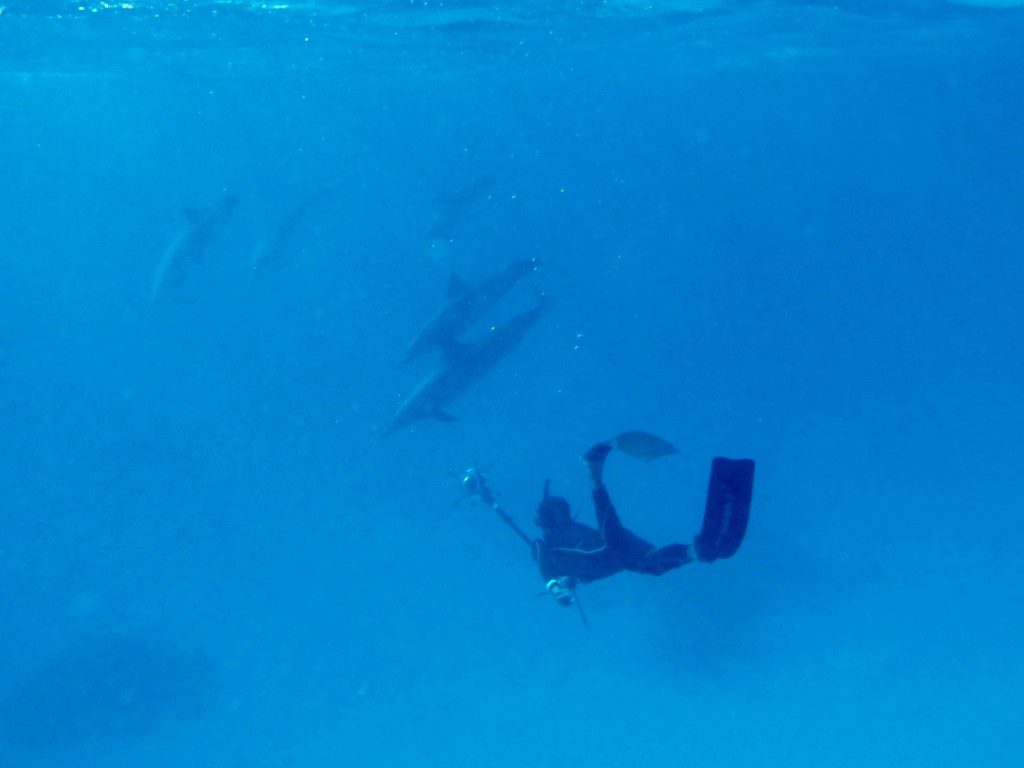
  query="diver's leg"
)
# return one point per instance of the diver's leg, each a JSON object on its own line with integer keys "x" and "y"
{"x": 594, "y": 459}
{"x": 658, "y": 561}
{"x": 630, "y": 550}
{"x": 607, "y": 518}
{"x": 635, "y": 554}
{"x": 608, "y": 523}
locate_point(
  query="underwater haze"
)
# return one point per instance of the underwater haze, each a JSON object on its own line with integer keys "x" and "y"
{"x": 785, "y": 231}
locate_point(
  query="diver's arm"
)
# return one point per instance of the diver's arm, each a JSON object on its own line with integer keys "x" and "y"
{"x": 542, "y": 555}
{"x": 488, "y": 498}
{"x": 558, "y": 585}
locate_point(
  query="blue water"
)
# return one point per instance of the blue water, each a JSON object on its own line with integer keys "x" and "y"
{"x": 792, "y": 232}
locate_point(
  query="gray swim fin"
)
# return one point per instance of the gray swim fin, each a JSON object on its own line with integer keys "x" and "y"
{"x": 643, "y": 445}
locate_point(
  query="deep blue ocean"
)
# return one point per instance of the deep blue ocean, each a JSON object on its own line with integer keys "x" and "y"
{"x": 792, "y": 232}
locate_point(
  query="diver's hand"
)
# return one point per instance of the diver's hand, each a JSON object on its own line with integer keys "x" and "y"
{"x": 562, "y": 590}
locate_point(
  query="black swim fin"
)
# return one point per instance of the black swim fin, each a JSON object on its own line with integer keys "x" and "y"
{"x": 730, "y": 489}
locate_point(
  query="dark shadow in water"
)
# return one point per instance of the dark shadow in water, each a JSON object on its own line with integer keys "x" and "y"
{"x": 106, "y": 690}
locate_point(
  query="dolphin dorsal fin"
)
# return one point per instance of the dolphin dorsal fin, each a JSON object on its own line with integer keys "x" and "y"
{"x": 457, "y": 287}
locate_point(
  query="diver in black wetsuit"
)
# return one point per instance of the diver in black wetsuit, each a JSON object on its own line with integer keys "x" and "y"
{"x": 571, "y": 553}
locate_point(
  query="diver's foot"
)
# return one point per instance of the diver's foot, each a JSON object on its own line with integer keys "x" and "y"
{"x": 594, "y": 459}
{"x": 597, "y": 453}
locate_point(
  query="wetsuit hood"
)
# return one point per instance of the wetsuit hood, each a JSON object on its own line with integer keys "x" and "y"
{"x": 553, "y": 511}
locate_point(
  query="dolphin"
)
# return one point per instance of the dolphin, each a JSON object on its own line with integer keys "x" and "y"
{"x": 462, "y": 365}
{"x": 191, "y": 243}
{"x": 453, "y": 212}
{"x": 273, "y": 252}
{"x": 464, "y": 304}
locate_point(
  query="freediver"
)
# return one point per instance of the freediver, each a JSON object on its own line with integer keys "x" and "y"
{"x": 571, "y": 553}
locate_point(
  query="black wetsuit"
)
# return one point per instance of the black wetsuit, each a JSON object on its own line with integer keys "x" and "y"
{"x": 585, "y": 554}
